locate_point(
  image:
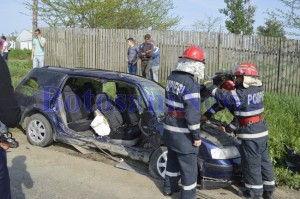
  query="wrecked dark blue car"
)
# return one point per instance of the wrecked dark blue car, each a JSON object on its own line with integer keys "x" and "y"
{"x": 59, "y": 104}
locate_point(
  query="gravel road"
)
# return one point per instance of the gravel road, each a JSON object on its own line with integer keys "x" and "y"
{"x": 60, "y": 172}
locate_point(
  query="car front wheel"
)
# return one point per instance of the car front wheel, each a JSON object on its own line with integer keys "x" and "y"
{"x": 158, "y": 163}
{"x": 39, "y": 131}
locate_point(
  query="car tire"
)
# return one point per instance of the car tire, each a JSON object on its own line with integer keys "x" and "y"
{"x": 39, "y": 131}
{"x": 158, "y": 163}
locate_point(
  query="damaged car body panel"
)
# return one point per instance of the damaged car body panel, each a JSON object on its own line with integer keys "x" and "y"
{"x": 59, "y": 104}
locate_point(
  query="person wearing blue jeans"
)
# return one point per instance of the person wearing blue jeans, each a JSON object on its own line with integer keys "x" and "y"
{"x": 3, "y": 128}
{"x": 10, "y": 115}
{"x": 38, "y": 49}
{"x": 132, "y": 68}
{"x": 155, "y": 62}
{"x": 132, "y": 56}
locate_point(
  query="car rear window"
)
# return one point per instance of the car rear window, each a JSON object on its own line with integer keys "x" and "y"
{"x": 39, "y": 80}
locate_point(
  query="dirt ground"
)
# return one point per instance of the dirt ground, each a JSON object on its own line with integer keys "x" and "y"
{"x": 59, "y": 171}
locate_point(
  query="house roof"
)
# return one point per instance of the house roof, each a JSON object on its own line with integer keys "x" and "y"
{"x": 25, "y": 35}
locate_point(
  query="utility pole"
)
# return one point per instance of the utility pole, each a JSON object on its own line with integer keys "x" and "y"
{"x": 34, "y": 16}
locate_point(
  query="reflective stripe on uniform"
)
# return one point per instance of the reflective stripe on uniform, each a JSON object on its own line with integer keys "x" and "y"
{"x": 255, "y": 135}
{"x": 232, "y": 126}
{"x": 212, "y": 110}
{"x": 213, "y": 93}
{"x": 249, "y": 113}
{"x": 236, "y": 98}
{"x": 254, "y": 186}
{"x": 191, "y": 96}
{"x": 269, "y": 183}
{"x": 194, "y": 127}
{"x": 172, "y": 174}
{"x": 173, "y": 103}
{"x": 176, "y": 129}
{"x": 189, "y": 187}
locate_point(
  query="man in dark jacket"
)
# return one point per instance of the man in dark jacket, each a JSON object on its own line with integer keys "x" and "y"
{"x": 182, "y": 124}
{"x": 9, "y": 116}
{"x": 246, "y": 102}
{"x": 145, "y": 53}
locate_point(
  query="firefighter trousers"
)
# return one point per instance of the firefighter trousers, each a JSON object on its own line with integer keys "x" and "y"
{"x": 184, "y": 167}
{"x": 257, "y": 167}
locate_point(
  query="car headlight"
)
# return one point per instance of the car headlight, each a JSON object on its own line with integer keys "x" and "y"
{"x": 225, "y": 153}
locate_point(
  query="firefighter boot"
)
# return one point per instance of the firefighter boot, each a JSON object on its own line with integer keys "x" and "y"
{"x": 168, "y": 192}
{"x": 268, "y": 195}
{"x": 248, "y": 195}
{"x": 171, "y": 185}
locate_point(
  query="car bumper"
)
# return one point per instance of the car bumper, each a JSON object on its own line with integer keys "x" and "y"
{"x": 218, "y": 174}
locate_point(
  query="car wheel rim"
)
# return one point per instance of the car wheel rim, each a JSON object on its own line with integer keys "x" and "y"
{"x": 36, "y": 131}
{"x": 161, "y": 164}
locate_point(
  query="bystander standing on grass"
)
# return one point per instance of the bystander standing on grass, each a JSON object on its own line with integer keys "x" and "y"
{"x": 132, "y": 56}
{"x": 38, "y": 49}
{"x": 4, "y": 49}
{"x": 155, "y": 62}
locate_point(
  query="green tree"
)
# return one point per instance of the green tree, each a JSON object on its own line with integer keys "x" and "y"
{"x": 108, "y": 14}
{"x": 290, "y": 17}
{"x": 210, "y": 24}
{"x": 13, "y": 36}
{"x": 272, "y": 28}
{"x": 240, "y": 15}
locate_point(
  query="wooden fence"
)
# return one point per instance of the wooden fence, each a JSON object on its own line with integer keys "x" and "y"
{"x": 278, "y": 60}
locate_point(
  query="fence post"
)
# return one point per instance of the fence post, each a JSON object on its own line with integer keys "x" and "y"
{"x": 278, "y": 66}
{"x": 219, "y": 45}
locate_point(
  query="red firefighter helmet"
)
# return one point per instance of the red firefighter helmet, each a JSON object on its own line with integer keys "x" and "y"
{"x": 247, "y": 69}
{"x": 194, "y": 53}
{"x": 228, "y": 85}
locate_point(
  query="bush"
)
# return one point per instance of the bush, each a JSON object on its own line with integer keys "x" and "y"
{"x": 18, "y": 69}
{"x": 18, "y": 54}
{"x": 283, "y": 114}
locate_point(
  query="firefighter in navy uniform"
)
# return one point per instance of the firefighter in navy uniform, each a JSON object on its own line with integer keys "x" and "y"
{"x": 182, "y": 124}
{"x": 247, "y": 103}
{"x": 219, "y": 106}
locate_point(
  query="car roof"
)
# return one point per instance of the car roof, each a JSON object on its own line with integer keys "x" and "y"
{"x": 99, "y": 73}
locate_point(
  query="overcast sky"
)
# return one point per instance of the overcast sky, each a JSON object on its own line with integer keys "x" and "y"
{"x": 15, "y": 16}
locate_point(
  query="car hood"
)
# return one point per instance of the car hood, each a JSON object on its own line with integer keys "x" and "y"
{"x": 220, "y": 139}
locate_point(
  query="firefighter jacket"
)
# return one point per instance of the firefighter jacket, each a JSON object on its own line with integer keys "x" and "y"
{"x": 244, "y": 103}
{"x": 182, "y": 98}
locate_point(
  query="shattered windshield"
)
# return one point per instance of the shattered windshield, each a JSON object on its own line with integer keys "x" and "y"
{"x": 156, "y": 97}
